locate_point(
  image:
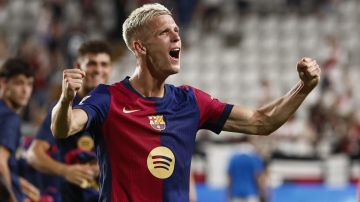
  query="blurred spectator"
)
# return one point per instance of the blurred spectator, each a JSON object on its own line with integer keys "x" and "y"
{"x": 266, "y": 94}
{"x": 3, "y": 49}
{"x": 17, "y": 78}
{"x": 211, "y": 15}
{"x": 295, "y": 139}
{"x": 330, "y": 61}
{"x": 354, "y": 137}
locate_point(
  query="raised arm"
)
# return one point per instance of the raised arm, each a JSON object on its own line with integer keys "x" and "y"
{"x": 266, "y": 119}
{"x": 66, "y": 121}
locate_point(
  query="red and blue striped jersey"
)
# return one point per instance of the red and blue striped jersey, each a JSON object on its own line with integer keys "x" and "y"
{"x": 10, "y": 136}
{"x": 144, "y": 145}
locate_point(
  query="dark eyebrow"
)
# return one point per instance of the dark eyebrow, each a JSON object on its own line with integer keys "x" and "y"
{"x": 91, "y": 62}
{"x": 104, "y": 63}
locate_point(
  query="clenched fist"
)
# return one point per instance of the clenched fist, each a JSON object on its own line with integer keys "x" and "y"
{"x": 309, "y": 72}
{"x": 72, "y": 82}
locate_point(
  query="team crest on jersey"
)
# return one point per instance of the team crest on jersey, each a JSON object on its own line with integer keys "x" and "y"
{"x": 85, "y": 143}
{"x": 157, "y": 122}
{"x": 161, "y": 162}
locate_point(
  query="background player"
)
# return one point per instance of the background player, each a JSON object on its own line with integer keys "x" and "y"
{"x": 246, "y": 172}
{"x": 147, "y": 122}
{"x": 17, "y": 79}
{"x": 77, "y": 165}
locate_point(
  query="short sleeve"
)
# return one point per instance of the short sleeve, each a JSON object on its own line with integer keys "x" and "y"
{"x": 10, "y": 132}
{"x": 213, "y": 113}
{"x": 96, "y": 104}
{"x": 44, "y": 133}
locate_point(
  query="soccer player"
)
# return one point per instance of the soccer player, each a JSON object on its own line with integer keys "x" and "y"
{"x": 78, "y": 165}
{"x": 246, "y": 174}
{"x": 16, "y": 78}
{"x": 144, "y": 129}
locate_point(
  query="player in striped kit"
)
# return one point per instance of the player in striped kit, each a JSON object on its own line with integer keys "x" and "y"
{"x": 144, "y": 129}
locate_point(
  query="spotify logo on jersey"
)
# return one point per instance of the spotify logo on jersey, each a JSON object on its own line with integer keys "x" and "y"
{"x": 161, "y": 162}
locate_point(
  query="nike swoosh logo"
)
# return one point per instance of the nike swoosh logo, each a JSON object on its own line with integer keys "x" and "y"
{"x": 85, "y": 98}
{"x": 130, "y": 111}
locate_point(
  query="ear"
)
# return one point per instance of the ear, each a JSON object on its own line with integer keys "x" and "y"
{"x": 139, "y": 48}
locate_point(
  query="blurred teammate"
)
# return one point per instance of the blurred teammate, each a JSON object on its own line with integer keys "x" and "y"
{"x": 246, "y": 174}
{"x": 78, "y": 164}
{"x": 144, "y": 129}
{"x": 16, "y": 78}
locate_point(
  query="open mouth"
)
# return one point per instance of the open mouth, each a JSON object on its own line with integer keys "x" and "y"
{"x": 175, "y": 53}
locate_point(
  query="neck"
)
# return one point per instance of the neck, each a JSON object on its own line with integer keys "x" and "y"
{"x": 14, "y": 107}
{"x": 147, "y": 84}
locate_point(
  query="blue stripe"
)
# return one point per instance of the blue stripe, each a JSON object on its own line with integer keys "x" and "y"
{"x": 181, "y": 115}
{"x": 104, "y": 165}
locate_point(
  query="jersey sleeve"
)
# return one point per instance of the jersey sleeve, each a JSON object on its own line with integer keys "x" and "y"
{"x": 213, "y": 113}
{"x": 44, "y": 133}
{"x": 96, "y": 104}
{"x": 9, "y": 133}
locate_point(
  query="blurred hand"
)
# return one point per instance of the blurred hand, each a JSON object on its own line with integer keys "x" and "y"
{"x": 72, "y": 82}
{"x": 95, "y": 169}
{"x": 29, "y": 190}
{"x": 78, "y": 174}
{"x": 309, "y": 72}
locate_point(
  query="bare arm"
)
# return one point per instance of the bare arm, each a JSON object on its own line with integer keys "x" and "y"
{"x": 5, "y": 171}
{"x": 266, "y": 119}
{"x": 29, "y": 189}
{"x": 66, "y": 121}
{"x": 38, "y": 158}
{"x": 261, "y": 180}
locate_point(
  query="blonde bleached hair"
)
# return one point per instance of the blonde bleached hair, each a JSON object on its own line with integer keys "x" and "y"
{"x": 138, "y": 18}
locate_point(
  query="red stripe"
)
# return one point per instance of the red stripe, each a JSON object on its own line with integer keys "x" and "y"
{"x": 130, "y": 138}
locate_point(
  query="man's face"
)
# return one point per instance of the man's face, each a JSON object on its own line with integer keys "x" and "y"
{"x": 18, "y": 89}
{"x": 162, "y": 44}
{"x": 97, "y": 67}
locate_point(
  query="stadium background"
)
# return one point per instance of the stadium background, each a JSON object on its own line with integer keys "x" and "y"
{"x": 241, "y": 51}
